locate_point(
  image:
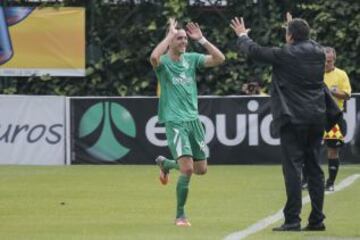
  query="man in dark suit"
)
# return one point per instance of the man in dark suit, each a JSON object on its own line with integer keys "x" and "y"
{"x": 298, "y": 108}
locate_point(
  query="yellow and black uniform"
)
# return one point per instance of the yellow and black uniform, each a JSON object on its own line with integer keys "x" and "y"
{"x": 337, "y": 78}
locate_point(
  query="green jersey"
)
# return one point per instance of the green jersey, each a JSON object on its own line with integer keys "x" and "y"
{"x": 178, "y": 90}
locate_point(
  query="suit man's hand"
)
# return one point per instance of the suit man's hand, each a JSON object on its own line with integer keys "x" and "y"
{"x": 238, "y": 26}
{"x": 289, "y": 17}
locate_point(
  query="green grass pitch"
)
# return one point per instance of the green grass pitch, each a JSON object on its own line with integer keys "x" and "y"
{"x": 128, "y": 203}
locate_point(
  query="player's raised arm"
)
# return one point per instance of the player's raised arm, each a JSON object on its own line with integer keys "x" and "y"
{"x": 161, "y": 48}
{"x": 215, "y": 56}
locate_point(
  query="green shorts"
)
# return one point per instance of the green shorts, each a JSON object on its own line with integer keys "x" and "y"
{"x": 186, "y": 139}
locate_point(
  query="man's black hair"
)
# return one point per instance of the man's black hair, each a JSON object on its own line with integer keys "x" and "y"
{"x": 299, "y": 29}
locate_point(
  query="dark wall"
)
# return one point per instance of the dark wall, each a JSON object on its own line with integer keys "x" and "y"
{"x": 125, "y": 130}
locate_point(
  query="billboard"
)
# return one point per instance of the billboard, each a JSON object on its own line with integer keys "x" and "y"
{"x": 42, "y": 41}
{"x": 126, "y": 130}
{"x": 32, "y": 130}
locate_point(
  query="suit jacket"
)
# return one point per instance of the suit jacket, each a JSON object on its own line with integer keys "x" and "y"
{"x": 355, "y": 143}
{"x": 297, "y": 88}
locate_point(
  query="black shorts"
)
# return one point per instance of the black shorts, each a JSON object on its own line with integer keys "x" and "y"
{"x": 337, "y": 143}
{"x": 334, "y": 143}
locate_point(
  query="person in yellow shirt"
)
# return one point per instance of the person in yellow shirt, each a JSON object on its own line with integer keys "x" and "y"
{"x": 338, "y": 83}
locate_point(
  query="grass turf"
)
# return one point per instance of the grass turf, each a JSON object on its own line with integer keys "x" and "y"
{"x": 128, "y": 203}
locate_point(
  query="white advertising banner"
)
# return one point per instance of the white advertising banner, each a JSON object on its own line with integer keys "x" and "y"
{"x": 32, "y": 130}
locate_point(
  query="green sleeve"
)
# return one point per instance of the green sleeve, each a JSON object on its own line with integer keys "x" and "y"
{"x": 159, "y": 68}
{"x": 201, "y": 61}
{"x": 198, "y": 59}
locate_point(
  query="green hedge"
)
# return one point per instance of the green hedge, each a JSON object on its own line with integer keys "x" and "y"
{"x": 120, "y": 38}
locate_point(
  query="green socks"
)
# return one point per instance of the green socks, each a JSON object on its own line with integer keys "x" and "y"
{"x": 182, "y": 187}
{"x": 170, "y": 164}
{"x": 182, "y": 190}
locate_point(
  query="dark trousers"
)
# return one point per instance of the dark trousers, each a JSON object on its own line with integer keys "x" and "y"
{"x": 301, "y": 145}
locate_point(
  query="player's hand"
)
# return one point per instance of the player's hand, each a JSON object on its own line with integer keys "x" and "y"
{"x": 193, "y": 31}
{"x": 172, "y": 27}
{"x": 238, "y": 26}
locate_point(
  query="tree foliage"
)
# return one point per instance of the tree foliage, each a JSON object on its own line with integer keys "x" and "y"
{"x": 121, "y": 35}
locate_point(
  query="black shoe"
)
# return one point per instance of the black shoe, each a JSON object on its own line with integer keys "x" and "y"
{"x": 288, "y": 227}
{"x": 315, "y": 227}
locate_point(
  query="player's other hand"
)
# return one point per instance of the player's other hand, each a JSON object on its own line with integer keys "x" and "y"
{"x": 193, "y": 31}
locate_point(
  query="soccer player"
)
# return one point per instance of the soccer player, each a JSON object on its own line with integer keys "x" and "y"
{"x": 338, "y": 83}
{"x": 178, "y": 106}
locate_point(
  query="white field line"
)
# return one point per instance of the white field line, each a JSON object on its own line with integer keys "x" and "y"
{"x": 265, "y": 222}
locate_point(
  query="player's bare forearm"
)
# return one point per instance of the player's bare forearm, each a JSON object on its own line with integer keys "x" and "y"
{"x": 159, "y": 50}
{"x": 215, "y": 57}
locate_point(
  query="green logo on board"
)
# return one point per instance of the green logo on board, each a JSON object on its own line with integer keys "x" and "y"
{"x": 107, "y": 123}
